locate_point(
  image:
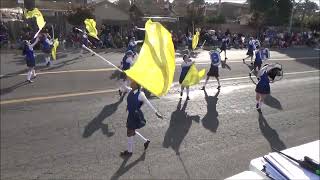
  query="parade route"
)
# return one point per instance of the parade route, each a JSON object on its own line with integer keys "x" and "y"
{"x": 70, "y": 123}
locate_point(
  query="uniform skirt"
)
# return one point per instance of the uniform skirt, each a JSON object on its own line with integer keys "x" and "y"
{"x": 31, "y": 62}
{"x": 214, "y": 71}
{"x": 250, "y": 53}
{"x": 136, "y": 120}
{"x": 263, "y": 88}
{"x": 257, "y": 64}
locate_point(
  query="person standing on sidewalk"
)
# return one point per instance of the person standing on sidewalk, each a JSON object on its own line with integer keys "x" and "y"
{"x": 214, "y": 68}
{"x": 136, "y": 98}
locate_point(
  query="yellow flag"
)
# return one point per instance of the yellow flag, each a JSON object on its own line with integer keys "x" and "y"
{"x": 91, "y": 27}
{"x": 54, "y": 49}
{"x": 38, "y": 15}
{"x": 154, "y": 68}
{"x": 193, "y": 76}
{"x": 195, "y": 40}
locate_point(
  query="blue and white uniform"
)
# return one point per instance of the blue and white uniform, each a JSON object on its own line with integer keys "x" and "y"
{"x": 263, "y": 86}
{"x": 265, "y": 54}
{"x": 215, "y": 62}
{"x": 126, "y": 64}
{"x": 136, "y": 98}
{"x": 132, "y": 46}
{"x": 185, "y": 66}
{"x": 251, "y": 48}
{"x": 224, "y": 44}
{"x": 29, "y": 55}
{"x": 258, "y": 59}
{"x": 46, "y": 44}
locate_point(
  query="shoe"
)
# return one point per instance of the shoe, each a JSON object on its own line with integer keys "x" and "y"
{"x": 257, "y": 106}
{"x": 181, "y": 93}
{"x": 203, "y": 88}
{"x": 146, "y": 144}
{"x": 188, "y": 98}
{"x": 29, "y": 81}
{"x": 48, "y": 63}
{"x": 125, "y": 153}
{"x": 120, "y": 92}
{"x": 34, "y": 76}
{"x": 219, "y": 87}
{"x": 251, "y": 63}
{"x": 243, "y": 61}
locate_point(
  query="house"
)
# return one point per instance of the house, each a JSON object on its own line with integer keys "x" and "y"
{"x": 106, "y": 12}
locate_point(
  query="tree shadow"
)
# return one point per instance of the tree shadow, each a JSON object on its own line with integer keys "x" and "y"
{"x": 125, "y": 168}
{"x": 210, "y": 120}
{"x": 12, "y": 88}
{"x": 270, "y": 134}
{"x": 97, "y": 124}
{"x": 14, "y": 74}
{"x": 180, "y": 124}
{"x": 273, "y": 102}
{"x": 62, "y": 64}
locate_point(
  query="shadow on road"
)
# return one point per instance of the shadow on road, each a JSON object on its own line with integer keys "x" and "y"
{"x": 224, "y": 65}
{"x": 210, "y": 120}
{"x": 14, "y": 74}
{"x": 180, "y": 124}
{"x": 12, "y": 88}
{"x": 125, "y": 168}
{"x": 116, "y": 75}
{"x": 273, "y": 102}
{"x": 97, "y": 124}
{"x": 270, "y": 134}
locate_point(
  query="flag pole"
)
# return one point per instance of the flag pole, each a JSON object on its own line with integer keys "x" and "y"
{"x": 88, "y": 49}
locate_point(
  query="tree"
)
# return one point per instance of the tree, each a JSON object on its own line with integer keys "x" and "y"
{"x": 304, "y": 13}
{"x": 77, "y": 16}
{"x": 123, "y": 4}
{"x": 195, "y": 11}
{"x": 270, "y": 12}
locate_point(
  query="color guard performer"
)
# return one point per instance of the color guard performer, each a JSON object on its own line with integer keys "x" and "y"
{"x": 47, "y": 45}
{"x": 30, "y": 59}
{"x": 214, "y": 68}
{"x": 185, "y": 66}
{"x": 251, "y": 48}
{"x": 126, "y": 63}
{"x": 136, "y": 98}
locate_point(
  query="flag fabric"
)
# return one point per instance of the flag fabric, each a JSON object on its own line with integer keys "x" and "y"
{"x": 195, "y": 40}
{"x": 54, "y": 49}
{"x": 91, "y": 27}
{"x": 193, "y": 76}
{"x": 155, "y": 65}
{"x": 38, "y": 15}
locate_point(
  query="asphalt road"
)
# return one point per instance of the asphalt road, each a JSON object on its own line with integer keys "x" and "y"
{"x": 70, "y": 122}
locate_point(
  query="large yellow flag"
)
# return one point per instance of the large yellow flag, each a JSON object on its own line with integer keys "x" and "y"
{"x": 91, "y": 27}
{"x": 193, "y": 76}
{"x": 38, "y": 15}
{"x": 195, "y": 40}
{"x": 54, "y": 49}
{"x": 154, "y": 68}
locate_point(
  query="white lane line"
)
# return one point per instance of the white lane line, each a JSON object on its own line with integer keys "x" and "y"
{"x": 12, "y": 101}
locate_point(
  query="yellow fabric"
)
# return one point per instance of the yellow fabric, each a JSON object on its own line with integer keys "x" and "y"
{"x": 193, "y": 76}
{"x": 195, "y": 40}
{"x": 54, "y": 49}
{"x": 154, "y": 68}
{"x": 91, "y": 27}
{"x": 38, "y": 15}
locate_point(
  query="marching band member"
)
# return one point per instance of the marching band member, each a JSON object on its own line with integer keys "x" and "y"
{"x": 30, "y": 59}
{"x": 265, "y": 75}
{"x": 214, "y": 68}
{"x": 136, "y": 98}
{"x": 251, "y": 48}
{"x": 185, "y": 66}
{"x": 126, "y": 63}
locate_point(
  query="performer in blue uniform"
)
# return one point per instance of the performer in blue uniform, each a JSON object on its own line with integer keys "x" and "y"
{"x": 185, "y": 66}
{"x": 251, "y": 48}
{"x": 258, "y": 60}
{"x": 225, "y": 42}
{"x": 47, "y": 45}
{"x": 214, "y": 68}
{"x": 132, "y": 45}
{"x": 85, "y": 41}
{"x": 136, "y": 98}
{"x": 126, "y": 63}
{"x": 30, "y": 59}
{"x": 265, "y": 75}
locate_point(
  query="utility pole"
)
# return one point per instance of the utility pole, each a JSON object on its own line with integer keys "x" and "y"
{"x": 219, "y": 8}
